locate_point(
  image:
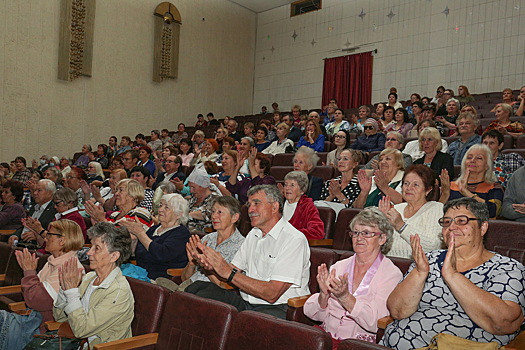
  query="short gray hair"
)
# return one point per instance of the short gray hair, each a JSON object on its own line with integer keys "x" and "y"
{"x": 478, "y": 209}
{"x": 250, "y": 140}
{"x": 300, "y": 177}
{"x": 49, "y": 185}
{"x": 273, "y": 194}
{"x": 156, "y": 132}
{"x": 310, "y": 154}
{"x": 179, "y": 206}
{"x": 372, "y": 216}
{"x": 398, "y": 136}
{"x": 168, "y": 187}
{"x": 116, "y": 238}
{"x": 465, "y": 115}
{"x": 66, "y": 195}
{"x": 56, "y": 173}
{"x": 455, "y": 101}
{"x": 230, "y": 203}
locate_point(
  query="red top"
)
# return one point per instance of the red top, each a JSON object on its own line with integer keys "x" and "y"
{"x": 307, "y": 220}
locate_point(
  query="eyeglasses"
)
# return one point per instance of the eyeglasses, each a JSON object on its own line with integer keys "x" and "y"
{"x": 370, "y": 127}
{"x": 460, "y": 220}
{"x": 54, "y": 234}
{"x": 391, "y": 139}
{"x": 72, "y": 177}
{"x": 364, "y": 234}
{"x": 439, "y": 92}
{"x": 340, "y": 137}
{"x": 57, "y": 202}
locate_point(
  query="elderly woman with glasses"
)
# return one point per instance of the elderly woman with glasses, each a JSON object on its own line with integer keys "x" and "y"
{"x": 354, "y": 291}
{"x": 306, "y": 159}
{"x": 466, "y": 290}
{"x": 39, "y": 290}
{"x": 163, "y": 246}
{"x": 372, "y": 140}
{"x": 100, "y": 305}
{"x": 477, "y": 180}
{"x": 300, "y": 210}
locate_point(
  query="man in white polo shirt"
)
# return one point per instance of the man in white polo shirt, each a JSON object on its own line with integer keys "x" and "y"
{"x": 271, "y": 266}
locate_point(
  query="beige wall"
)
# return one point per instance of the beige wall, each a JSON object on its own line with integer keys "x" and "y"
{"x": 41, "y": 115}
{"x": 418, "y": 50}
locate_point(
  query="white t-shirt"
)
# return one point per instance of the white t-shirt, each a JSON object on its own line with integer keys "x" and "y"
{"x": 289, "y": 210}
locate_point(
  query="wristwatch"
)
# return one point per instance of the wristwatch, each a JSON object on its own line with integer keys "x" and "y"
{"x": 234, "y": 271}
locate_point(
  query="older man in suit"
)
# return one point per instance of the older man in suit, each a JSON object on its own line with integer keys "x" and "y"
{"x": 42, "y": 212}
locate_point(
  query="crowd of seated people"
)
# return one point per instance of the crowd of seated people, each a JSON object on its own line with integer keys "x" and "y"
{"x": 213, "y": 175}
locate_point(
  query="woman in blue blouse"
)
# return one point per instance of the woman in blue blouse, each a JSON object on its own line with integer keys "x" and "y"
{"x": 313, "y": 137}
{"x": 163, "y": 246}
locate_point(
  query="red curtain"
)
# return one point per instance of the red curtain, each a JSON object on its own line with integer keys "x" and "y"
{"x": 348, "y": 79}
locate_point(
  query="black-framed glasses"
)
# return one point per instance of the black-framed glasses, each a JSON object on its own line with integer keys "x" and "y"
{"x": 57, "y": 202}
{"x": 340, "y": 137}
{"x": 460, "y": 220}
{"x": 391, "y": 139}
{"x": 54, "y": 234}
{"x": 364, "y": 234}
{"x": 439, "y": 92}
{"x": 368, "y": 127}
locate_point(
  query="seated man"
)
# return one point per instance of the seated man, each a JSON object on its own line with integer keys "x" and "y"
{"x": 275, "y": 258}
{"x": 504, "y": 164}
{"x": 124, "y": 145}
{"x": 295, "y": 132}
{"x": 171, "y": 165}
{"x": 165, "y": 137}
{"x": 211, "y": 119}
{"x": 513, "y": 207}
{"x": 467, "y": 124}
{"x": 43, "y": 211}
{"x": 156, "y": 143}
{"x": 130, "y": 159}
{"x": 393, "y": 140}
{"x": 140, "y": 140}
{"x": 232, "y": 130}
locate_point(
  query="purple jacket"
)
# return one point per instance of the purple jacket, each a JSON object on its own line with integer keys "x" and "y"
{"x": 241, "y": 187}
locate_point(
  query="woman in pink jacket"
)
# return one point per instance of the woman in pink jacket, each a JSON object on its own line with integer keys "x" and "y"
{"x": 354, "y": 293}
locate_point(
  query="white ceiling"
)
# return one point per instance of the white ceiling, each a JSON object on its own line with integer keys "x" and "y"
{"x": 262, "y": 5}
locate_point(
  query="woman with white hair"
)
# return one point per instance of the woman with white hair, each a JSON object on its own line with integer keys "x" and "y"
{"x": 372, "y": 140}
{"x": 503, "y": 123}
{"x": 449, "y": 120}
{"x": 477, "y": 180}
{"x": 282, "y": 143}
{"x": 306, "y": 159}
{"x": 163, "y": 246}
{"x": 434, "y": 158}
{"x": 300, "y": 210}
{"x": 95, "y": 172}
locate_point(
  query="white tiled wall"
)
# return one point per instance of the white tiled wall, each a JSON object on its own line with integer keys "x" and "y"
{"x": 479, "y": 44}
{"x": 41, "y": 115}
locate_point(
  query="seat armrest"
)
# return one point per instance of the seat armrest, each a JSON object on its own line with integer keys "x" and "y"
{"x": 384, "y": 321}
{"x": 320, "y": 242}
{"x": 298, "y": 302}
{"x": 52, "y": 325}
{"x": 227, "y": 286}
{"x": 7, "y": 232}
{"x": 10, "y": 289}
{"x": 2, "y": 277}
{"x": 129, "y": 343}
{"x": 517, "y": 343}
{"x": 175, "y": 272}
{"x": 21, "y": 305}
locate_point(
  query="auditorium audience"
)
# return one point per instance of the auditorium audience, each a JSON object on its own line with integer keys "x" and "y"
{"x": 521, "y": 100}
{"x": 401, "y": 124}
{"x": 200, "y": 202}
{"x": 393, "y": 140}
{"x": 477, "y": 181}
{"x": 313, "y": 137}
{"x": 83, "y": 160}
{"x": 232, "y": 130}
{"x": 108, "y": 314}
{"x": 333, "y": 127}
{"x": 144, "y": 159}
{"x": 220, "y": 135}
{"x": 53, "y": 174}
{"x": 179, "y": 135}
{"x": 94, "y": 172}
{"x": 206, "y": 153}
{"x": 162, "y": 246}
{"x": 200, "y": 121}
{"x": 418, "y": 214}
{"x": 262, "y": 289}
{"x": 341, "y": 141}
{"x": 503, "y": 123}
{"x": 372, "y": 140}
{"x": 388, "y": 118}
{"x": 513, "y": 207}
{"x": 125, "y": 145}
{"x": 306, "y": 160}
{"x": 283, "y": 142}
{"x": 466, "y": 290}
{"x": 248, "y": 129}
{"x": 505, "y": 164}
{"x": 467, "y": 123}
{"x": 392, "y": 101}
{"x": 342, "y": 191}
{"x": 430, "y": 144}
{"x": 385, "y": 182}
{"x": 508, "y": 98}
{"x": 353, "y": 292}
{"x": 21, "y": 174}
{"x": 12, "y": 211}
{"x": 259, "y": 169}
{"x": 300, "y": 210}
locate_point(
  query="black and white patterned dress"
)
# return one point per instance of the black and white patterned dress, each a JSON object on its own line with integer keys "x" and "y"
{"x": 351, "y": 191}
{"x": 440, "y": 312}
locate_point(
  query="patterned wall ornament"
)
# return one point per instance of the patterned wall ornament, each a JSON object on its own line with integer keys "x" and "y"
{"x": 294, "y": 36}
{"x": 362, "y": 14}
{"x": 446, "y": 11}
{"x": 166, "y": 42}
{"x": 390, "y": 15}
